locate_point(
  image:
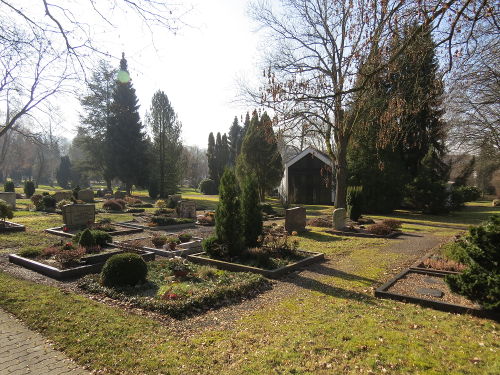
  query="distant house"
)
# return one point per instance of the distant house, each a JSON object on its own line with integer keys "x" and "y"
{"x": 308, "y": 178}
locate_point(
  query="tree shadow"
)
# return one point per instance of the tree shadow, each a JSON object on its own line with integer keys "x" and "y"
{"x": 405, "y": 234}
{"x": 333, "y": 291}
{"x": 320, "y": 237}
{"x": 322, "y": 269}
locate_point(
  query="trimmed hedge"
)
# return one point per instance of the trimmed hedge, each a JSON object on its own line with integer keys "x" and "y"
{"x": 124, "y": 269}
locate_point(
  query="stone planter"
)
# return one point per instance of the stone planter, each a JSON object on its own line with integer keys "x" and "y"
{"x": 12, "y": 227}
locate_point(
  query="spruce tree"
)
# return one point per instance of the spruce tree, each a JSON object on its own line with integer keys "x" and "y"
{"x": 260, "y": 156}
{"x": 64, "y": 172}
{"x": 251, "y": 211}
{"x": 228, "y": 228}
{"x": 167, "y": 144}
{"x": 96, "y": 105}
{"x": 125, "y": 141}
{"x": 234, "y": 141}
{"x": 246, "y": 125}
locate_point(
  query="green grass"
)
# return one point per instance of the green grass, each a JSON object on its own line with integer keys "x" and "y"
{"x": 328, "y": 323}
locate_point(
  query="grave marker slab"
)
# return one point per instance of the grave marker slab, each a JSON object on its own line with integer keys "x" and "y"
{"x": 430, "y": 292}
{"x": 9, "y": 197}
{"x": 86, "y": 195}
{"x": 339, "y": 218}
{"x": 295, "y": 219}
{"x": 75, "y": 215}
{"x": 186, "y": 209}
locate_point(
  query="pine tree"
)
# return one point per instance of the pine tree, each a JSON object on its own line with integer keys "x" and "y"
{"x": 246, "y": 125}
{"x": 259, "y": 155}
{"x": 64, "y": 172}
{"x": 167, "y": 144}
{"x": 126, "y": 145}
{"x": 234, "y": 141}
{"x": 228, "y": 228}
{"x": 251, "y": 211}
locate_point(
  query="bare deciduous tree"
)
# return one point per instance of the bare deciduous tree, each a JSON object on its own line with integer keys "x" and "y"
{"x": 317, "y": 47}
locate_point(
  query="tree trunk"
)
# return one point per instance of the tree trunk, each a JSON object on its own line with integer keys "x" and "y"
{"x": 341, "y": 175}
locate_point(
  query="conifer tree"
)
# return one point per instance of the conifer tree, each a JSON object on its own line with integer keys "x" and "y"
{"x": 212, "y": 159}
{"x": 234, "y": 141}
{"x": 64, "y": 173}
{"x": 260, "y": 156}
{"x": 126, "y": 145}
{"x": 251, "y": 211}
{"x": 167, "y": 144}
{"x": 246, "y": 125}
{"x": 228, "y": 228}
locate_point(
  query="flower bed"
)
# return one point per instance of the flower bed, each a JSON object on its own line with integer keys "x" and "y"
{"x": 194, "y": 289}
{"x": 11, "y": 227}
{"x": 427, "y": 288}
{"x": 439, "y": 264}
{"x": 385, "y": 229}
{"x": 113, "y": 229}
{"x": 65, "y": 260}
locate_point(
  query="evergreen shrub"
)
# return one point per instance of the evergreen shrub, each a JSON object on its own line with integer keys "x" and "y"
{"x": 29, "y": 188}
{"x": 8, "y": 186}
{"x": 354, "y": 202}
{"x": 480, "y": 281}
{"x": 207, "y": 187}
{"x": 124, "y": 269}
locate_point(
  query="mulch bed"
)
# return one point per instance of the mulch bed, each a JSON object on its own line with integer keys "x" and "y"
{"x": 412, "y": 282}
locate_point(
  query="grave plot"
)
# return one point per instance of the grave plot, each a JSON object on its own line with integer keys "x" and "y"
{"x": 438, "y": 263}
{"x": 177, "y": 287}
{"x": 65, "y": 260}
{"x": 384, "y": 229}
{"x": 427, "y": 288}
{"x": 166, "y": 245}
{"x": 79, "y": 216}
{"x": 166, "y": 218}
{"x": 277, "y": 256}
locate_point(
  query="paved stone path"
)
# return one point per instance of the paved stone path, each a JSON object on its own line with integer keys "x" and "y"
{"x": 23, "y": 352}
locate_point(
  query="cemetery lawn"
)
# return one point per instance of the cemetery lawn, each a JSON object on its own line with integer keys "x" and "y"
{"x": 323, "y": 320}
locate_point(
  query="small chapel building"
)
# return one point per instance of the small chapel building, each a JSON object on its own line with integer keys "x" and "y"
{"x": 308, "y": 178}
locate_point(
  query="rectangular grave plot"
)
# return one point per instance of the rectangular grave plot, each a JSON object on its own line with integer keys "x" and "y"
{"x": 93, "y": 265}
{"x": 429, "y": 296}
{"x": 120, "y": 230}
{"x": 176, "y": 227}
{"x": 272, "y": 274}
{"x": 12, "y": 227}
{"x": 182, "y": 250}
{"x": 419, "y": 266}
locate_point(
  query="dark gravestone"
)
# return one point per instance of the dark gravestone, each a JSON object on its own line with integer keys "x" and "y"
{"x": 295, "y": 219}
{"x": 430, "y": 292}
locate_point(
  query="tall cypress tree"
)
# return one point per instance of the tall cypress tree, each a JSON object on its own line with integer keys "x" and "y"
{"x": 246, "y": 125}
{"x": 260, "y": 156}
{"x": 212, "y": 159}
{"x": 167, "y": 143}
{"x": 63, "y": 173}
{"x": 126, "y": 144}
{"x": 234, "y": 141}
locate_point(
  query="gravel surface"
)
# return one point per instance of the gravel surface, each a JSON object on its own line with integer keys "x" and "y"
{"x": 412, "y": 282}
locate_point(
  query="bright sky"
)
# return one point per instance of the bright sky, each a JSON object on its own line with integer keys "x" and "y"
{"x": 197, "y": 68}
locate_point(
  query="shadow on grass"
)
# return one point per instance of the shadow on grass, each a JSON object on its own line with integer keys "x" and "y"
{"x": 331, "y": 290}
{"x": 406, "y": 234}
{"x": 328, "y": 271}
{"x": 320, "y": 237}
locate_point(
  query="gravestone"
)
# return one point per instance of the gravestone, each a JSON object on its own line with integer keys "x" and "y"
{"x": 61, "y": 195}
{"x": 295, "y": 219}
{"x": 120, "y": 194}
{"x": 75, "y": 215}
{"x": 9, "y": 197}
{"x": 175, "y": 197}
{"x": 430, "y": 292}
{"x": 186, "y": 209}
{"x": 339, "y": 218}
{"x": 86, "y": 195}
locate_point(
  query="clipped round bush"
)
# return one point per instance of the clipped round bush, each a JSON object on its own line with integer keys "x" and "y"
{"x": 185, "y": 237}
{"x": 30, "y": 253}
{"x": 124, "y": 269}
{"x": 29, "y": 188}
{"x": 36, "y": 199}
{"x": 49, "y": 202}
{"x": 5, "y": 210}
{"x": 207, "y": 186}
{"x": 9, "y": 186}
{"x": 101, "y": 238}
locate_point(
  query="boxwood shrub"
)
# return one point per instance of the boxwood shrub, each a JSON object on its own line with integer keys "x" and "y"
{"x": 124, "y": 269}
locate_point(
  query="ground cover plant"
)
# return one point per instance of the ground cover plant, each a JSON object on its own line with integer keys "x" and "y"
{"x": 174, "y": 286}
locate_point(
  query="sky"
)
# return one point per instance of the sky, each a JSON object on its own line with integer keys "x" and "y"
{"x": 198, "y": 67}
